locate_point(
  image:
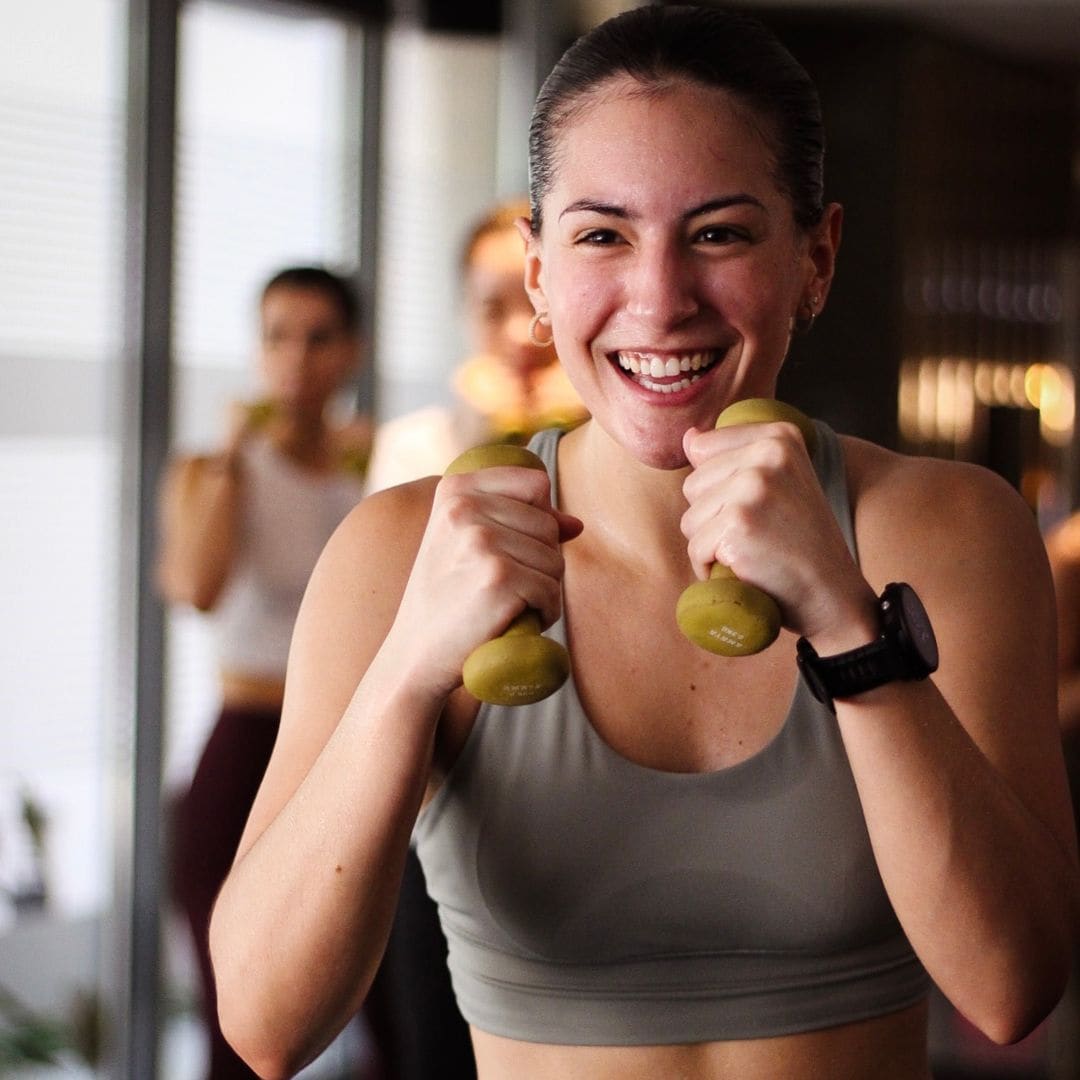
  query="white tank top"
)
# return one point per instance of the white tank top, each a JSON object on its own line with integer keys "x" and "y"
{"x": 287, "y": 515}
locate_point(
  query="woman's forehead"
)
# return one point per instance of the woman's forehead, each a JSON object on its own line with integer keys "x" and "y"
{"x": 298, "y": 304}
{"x": 626, "y": 136}
{"x": 627, "y": 90}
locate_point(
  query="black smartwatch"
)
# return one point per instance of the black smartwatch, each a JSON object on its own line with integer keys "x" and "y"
{"x": 905, "y": 649}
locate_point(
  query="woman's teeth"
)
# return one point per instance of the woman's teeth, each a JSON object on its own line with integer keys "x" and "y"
{"x": 650, "y": 367}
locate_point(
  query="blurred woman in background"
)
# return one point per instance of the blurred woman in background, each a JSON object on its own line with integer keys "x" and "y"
{"x": 510, "y": 386}
{"x": 241, "y": 529}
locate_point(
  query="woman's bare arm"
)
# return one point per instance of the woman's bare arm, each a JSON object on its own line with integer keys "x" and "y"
{"x": 961, "y": 776}
{"x": 396, "y": 603}
{"x": 198, "y": 515}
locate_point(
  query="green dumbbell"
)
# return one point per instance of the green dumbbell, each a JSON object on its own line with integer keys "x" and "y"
{"x": 724, "y": 614}
{"x": 520, "y": 666}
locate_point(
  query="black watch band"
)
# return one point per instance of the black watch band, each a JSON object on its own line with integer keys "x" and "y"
{"x": 905, "y": 649}
{"x": 846, "y": 674}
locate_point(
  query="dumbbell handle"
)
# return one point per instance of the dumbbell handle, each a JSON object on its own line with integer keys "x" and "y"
{"x": 520, "y": 666}
{"x": 723, "y": 614}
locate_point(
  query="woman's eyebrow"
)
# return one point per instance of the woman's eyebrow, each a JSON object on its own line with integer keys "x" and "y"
{"x": 741, "y": 199}
{"x": 596, "y": 207}
{"x": 612, "y": 210}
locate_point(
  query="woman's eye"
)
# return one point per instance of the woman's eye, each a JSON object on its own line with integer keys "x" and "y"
{"x": 719, "y": 234}
{"x": 598, "y": 237}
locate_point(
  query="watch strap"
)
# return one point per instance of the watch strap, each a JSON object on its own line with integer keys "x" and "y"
{"x": 892, "y": 656}
{"x": 857, "y": 670}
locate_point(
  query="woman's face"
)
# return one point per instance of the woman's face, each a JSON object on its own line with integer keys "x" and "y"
{"x": 306, "y": 351}
{"x": 670, "y": 261}
{"x": 497, "y": 307}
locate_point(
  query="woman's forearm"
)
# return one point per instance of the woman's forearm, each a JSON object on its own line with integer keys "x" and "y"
{"x": 985, "y": 891}
{"x": 199, "y": 514}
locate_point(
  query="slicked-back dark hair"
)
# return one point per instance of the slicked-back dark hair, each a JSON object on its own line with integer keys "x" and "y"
{"x": 317, "y": 278}
{"x": 727, "y": 50}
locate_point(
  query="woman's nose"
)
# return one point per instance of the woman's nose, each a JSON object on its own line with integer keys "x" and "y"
{"x": 661, "y": 287}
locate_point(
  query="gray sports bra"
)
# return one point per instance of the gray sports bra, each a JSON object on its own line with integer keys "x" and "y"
{"x": 590, "y": 900}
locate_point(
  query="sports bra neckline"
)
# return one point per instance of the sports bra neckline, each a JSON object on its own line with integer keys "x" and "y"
{"x": 759, "y": 759}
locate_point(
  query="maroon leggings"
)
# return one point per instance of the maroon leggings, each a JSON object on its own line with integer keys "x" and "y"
{"x": 207, "y": 821}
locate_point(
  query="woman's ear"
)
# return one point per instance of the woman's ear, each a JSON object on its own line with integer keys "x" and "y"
{"x": 534, "y": 275}
{"x": 824, "y": 243}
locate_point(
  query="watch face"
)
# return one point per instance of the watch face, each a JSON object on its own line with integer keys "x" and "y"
{"x": 915, "y": 626}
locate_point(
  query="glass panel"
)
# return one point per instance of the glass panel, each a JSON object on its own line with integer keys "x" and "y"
{"x": 61, "y": 236}
{"x": 266, "y": 178}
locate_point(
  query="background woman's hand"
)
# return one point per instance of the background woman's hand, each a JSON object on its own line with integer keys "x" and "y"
{"x": 243, "y": 419}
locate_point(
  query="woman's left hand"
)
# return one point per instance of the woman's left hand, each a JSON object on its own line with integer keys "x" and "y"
{"x": 756, "y": 506}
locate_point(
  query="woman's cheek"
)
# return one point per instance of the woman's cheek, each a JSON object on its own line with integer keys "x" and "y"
{"x": 586, "y": 307}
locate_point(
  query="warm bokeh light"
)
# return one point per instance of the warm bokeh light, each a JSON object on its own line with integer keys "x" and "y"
{"x": 938, "y": 397}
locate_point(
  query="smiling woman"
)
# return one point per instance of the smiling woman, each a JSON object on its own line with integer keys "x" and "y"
{"x": 679, "y": 863}
{"x": 684, "y": 261}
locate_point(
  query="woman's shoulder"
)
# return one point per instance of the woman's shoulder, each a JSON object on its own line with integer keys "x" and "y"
{"x": 875, "y": 472}
{"x": 388, "y": 520}
{"x": 364, "y": 567}
{"x": 933, "y": 507}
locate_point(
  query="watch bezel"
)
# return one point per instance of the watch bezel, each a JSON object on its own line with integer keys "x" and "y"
{"x": 904, "y": 617}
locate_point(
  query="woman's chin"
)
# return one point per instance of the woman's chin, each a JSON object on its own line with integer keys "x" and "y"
{"x": 665, "y": 462}
{"x": 663, "y": 451}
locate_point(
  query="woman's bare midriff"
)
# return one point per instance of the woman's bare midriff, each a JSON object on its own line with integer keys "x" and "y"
{"x": 890, "y": 1047}
{"x": 240, "y": 690}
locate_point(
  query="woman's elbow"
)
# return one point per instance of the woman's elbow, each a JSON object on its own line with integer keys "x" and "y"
{"x": 188, "y": 589}
{"x": 253, "y": 1038}
{"x": 1011, "y": 1026}
{"x": 262, "y": 1061}
{"x": 243, "y": 1021}
{"x": 1024, "y": 1006}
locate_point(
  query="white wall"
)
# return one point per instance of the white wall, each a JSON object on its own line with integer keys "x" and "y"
{"x": 439, "y": 172}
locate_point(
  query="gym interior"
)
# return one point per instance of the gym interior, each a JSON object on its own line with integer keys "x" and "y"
{"x": 159, "y": 157}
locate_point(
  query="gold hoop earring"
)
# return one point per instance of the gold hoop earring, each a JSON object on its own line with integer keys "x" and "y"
{"x": 537, "y": 320}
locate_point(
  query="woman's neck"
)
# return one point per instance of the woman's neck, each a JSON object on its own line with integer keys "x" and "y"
{"x": 630, "y": 509}
{"x": 302, "y": 439}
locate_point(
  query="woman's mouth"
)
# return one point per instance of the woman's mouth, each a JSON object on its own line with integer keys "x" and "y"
{"x": 668, "y": 373}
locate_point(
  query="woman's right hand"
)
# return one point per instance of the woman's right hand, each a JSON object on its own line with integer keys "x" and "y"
{"x": 490, "y": 550}
{"x": 243, "y": 419}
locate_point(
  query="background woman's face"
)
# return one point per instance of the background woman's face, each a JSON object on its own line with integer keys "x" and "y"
{"x": 497, "y": 307}
{"x": 306, "y": 351}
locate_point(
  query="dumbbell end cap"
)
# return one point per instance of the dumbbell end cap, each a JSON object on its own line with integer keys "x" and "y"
{"x": 494, "y": 455}
{"x": 728, "y": 617}
{"x": 516, "y": 670}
